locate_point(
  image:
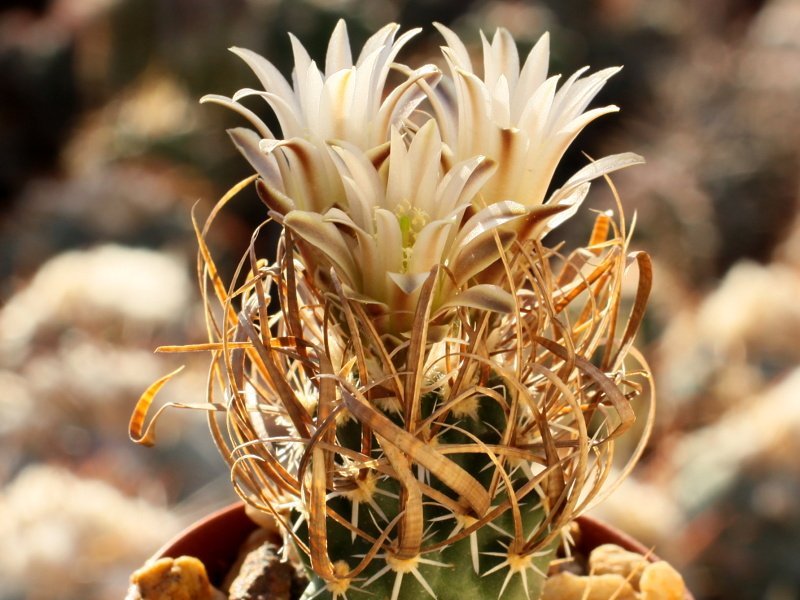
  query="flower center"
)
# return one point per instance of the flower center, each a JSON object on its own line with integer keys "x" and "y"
{"x": 411, "y": 220}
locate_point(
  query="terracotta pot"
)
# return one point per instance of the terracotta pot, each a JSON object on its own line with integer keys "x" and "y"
{"x": 216, "y": 539}
{"x": 595, "y": 533}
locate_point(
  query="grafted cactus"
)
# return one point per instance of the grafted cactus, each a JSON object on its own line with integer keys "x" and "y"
{"x": 438, "y": 392}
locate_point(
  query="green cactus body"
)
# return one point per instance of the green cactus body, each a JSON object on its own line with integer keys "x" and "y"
{"x": 456, "y": 581}
{"x": 471, "y": 567}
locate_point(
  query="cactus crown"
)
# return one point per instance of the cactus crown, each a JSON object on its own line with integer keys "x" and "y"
{"x": 419, "y": 389}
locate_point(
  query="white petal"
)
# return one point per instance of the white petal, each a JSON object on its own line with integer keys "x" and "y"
{"x": 301, "y": 62}
{"x": 349, "y": 160}
{"x": 312, "y": 91}
{"x": 445, "y": 111}
{"x": 572, "y": 193}
{"x": 248, "y": 114}
{"x": 473, "y": 124}
{"x": 533, "y": 74}
{"x": 398, "y": 185}
{"x": 424, "y": 156}
{"x": 483, "y": 296}
{"x": 387, "y": 230}
{"x": 571, "y": 197}
{"x": 403, "y": 100}
{"x": 247, "y": 142}
{"x": 501, "y": 103}
{"x": 460, "y": 55}
{"x": 290, "y": 120}
{"x": 603, "y": 166}
{"x": 269, "y": 76}
{"x": 574, "y": 127}
{"x": 489, "y": 218}
{"x": 510, "y": 149}
{"x": 338, "y": 55}
{"x": 377, "y": 40}
{"x": 325, "y": 237}
{"x": 274, "y": 197}
{"x": 500, "y": 58}
{"x": 536, "y": 112}
{"x": 367, "y": 93}
{"x": 462, "y": 182}
{"x": 480, "y": 253}
{"x": 339, "y": 217}
{"x": 429, "y": 246}
{"x": 335, "y": 104}
{"x": 408, "y": 282}
{"x": 304, "y": 179}
{"x": 566, "y": 89}
{"x": 380, "y": 69}
{"x": 584, "y": 90}
{"x": 360, "y": 204}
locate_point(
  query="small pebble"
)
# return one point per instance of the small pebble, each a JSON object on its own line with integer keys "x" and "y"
{"x": 662, "y": 582}
{"x": 566, "y": 586}
{"x": 182, "y": 578}
{"x": 263, "y": 576}
{"x": 613, "y": 559}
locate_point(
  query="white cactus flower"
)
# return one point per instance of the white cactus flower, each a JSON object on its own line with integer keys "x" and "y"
{"x": 344, "y": 102}
{"x": 516, "y": 115}
{"x": 384, "y": 193}
{"x": 408, "y": 215}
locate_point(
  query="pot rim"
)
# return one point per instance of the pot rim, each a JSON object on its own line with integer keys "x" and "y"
{"x": 215, "y": 539}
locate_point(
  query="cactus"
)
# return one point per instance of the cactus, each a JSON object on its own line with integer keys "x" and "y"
{"x": 419, "y": 390}
{"x": 445, "y": 467}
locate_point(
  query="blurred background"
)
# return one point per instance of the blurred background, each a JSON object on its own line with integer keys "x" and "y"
{"x": 104, "y": 150}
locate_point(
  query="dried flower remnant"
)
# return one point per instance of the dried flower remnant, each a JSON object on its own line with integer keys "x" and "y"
{"x": 439, "y": 392}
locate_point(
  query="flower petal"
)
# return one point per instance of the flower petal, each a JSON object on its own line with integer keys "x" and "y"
{"x": 408, "y": 282}
{"x": 325, "y": 237}
{"x": 269, "y": 76}
{"x": 247, "y": 142}
{"x": 290, "y": 120}
{"x": 350, "y": 161}
{"x": 602, "y": 166}
{"x": 334, "y": 105}
{"x": 404, "y": 99}
{"x": 338, "y": 56}
{"x": 460, "y": 184}
{"x": 532, "y": 76}
{"x": 274, "y": 198}
{"x": 489, "y": 218}
{"x": 483, "y": 296}
{"x": 387, "y": 230}
{"x": 500, "y": 58}
{"x": 304, "y": 177}
{"x": 429, "y": 246}
{"x": 424, "y": 156}
{"x": 248, "y": 114}
{"x": 460, "y": 54}
{"x": 479, "y": 253}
